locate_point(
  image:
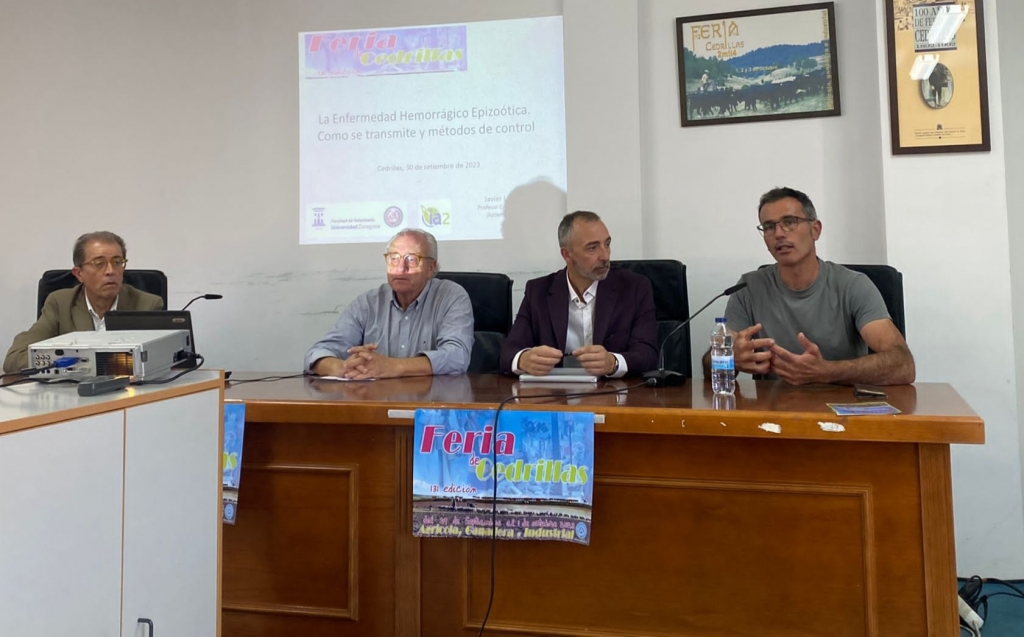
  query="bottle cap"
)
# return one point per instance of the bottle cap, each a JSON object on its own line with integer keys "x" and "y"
{"x": 720, "y": 319}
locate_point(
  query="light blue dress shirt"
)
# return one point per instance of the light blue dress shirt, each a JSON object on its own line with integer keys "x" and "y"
{"x": 438, "y": 325}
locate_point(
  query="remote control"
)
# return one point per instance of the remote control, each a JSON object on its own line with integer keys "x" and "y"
{"x": 103, "y": 385}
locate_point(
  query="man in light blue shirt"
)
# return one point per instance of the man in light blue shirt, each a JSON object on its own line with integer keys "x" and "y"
{"x": 413, "y": 325}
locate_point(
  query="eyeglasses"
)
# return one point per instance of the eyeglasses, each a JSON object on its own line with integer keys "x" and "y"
{"x": 395, "y": 259}
{"x": 789, "y": 223}
{"x": 100, "y": 263}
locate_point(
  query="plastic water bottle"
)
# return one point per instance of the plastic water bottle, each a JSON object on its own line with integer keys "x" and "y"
{"x": 723, "y": 364}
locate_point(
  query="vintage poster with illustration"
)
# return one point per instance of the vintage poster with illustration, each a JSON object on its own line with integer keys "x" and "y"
{"x": 938, "y": 93}
{"x": 543, "y": 463}
{"x": 766, "y": 64}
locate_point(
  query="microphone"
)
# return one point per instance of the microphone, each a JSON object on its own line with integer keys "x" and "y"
{"x": 665, "y": 377}
{"x": 208, "y": 297}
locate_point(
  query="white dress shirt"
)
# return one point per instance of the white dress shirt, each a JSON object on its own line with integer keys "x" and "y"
{"x": 580, "y": 332}
{"x": 98, "y": 323}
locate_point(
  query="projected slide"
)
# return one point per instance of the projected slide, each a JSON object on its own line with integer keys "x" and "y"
{"x": 426, "y": 127}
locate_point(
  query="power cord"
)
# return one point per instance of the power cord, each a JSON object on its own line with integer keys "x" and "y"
{"x": 41, "y": 381}
{"x": 1013, "y": 591}
{"x": 968, "y": 603}
{"x": 267, "y": 379}
{"x": 971, "y": 596}
{"x": 494, "y": 474}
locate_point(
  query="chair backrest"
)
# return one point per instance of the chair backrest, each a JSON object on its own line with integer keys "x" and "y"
{"x": 491, "y": 296}
{"x": 889, "y": 282}
{"x": 152, "y": 281}
{"x": 671, "y": 307}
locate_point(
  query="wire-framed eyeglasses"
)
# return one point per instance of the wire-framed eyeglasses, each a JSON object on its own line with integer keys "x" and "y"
{"x": 789, "y": 223}
{"x": 100, "y": 263}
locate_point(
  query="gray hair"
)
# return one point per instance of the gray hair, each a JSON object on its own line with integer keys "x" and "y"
{"x": 775, "y": 194}
{"x": 102, "y": 236}
{"x": 422, "y": 235}
{"x": 565, "y": 227}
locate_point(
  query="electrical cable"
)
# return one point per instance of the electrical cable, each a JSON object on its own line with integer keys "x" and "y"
{"x": 266, "y": 379}
{"x": 650, "y": 382}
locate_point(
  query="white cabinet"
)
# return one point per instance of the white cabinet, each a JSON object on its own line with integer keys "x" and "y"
{"x": 60, "y": 528}
{"x": 110, "y": 511}
{"x": 170, "y": 556}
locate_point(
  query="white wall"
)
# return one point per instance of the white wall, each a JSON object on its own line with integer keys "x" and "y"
{"x": 703, "y": 182}
{"x": 946, "y": 220}
{"x": 1011, "y": 47}
{"x": 176, "y": 124}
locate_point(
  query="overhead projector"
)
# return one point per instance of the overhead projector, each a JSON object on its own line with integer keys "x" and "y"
{"x": 140, "y": 354}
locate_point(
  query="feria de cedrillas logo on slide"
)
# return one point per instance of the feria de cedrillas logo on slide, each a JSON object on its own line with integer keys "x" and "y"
{"x": 385, "y": 51}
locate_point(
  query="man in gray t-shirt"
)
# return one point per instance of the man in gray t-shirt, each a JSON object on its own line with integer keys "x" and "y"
{"x": 805, "y": 320}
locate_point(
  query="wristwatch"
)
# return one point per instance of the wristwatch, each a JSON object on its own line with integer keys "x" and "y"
{"x": 615, "y": 368}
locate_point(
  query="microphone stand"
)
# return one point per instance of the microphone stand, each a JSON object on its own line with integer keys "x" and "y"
{"x": 208, "y": 297}
{"x": 662, "y": 377}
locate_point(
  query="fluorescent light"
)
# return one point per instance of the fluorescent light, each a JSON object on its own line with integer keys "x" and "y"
{"x": 923, "y": 66}
{"x": 947, "y": 22}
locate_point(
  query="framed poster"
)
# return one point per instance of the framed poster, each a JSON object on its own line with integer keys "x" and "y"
{"x": 938, "y": 85}
{"x": 764, "y": 64}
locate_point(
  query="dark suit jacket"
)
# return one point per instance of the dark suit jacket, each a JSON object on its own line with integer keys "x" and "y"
{"x": 623, "y": 319}
{"x": 66, "y": 311}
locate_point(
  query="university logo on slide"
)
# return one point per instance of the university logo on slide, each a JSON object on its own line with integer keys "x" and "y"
{"x": 318, "y": 218}
{"x": 393, "y": 216}
{"x": 384, "y": 52}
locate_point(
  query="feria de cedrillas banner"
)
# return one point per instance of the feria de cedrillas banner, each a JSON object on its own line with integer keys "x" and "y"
{"x": 543, "y": 461}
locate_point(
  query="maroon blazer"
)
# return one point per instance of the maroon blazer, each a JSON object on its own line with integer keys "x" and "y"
{"x": 623, "y": 319}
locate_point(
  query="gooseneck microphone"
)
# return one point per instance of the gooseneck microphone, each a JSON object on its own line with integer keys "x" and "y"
{"x": 665, "y": 377}
{"x": 208, "y": 297}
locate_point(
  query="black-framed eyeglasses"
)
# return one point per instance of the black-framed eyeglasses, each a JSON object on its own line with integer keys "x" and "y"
{"x": 99, "y": 263}
{"x": 789, "y": 223}
{"x": 413, "y": 260}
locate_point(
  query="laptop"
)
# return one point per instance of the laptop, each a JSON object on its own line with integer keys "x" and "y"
{"x": 116, "y": 321}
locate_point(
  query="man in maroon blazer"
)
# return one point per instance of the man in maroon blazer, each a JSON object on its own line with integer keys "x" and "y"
{"x": 603, "y": 317}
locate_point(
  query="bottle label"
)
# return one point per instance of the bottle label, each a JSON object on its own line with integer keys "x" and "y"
{"x": 723, "y": 363}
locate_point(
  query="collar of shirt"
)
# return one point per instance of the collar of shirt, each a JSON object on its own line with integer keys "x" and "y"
{"x": 415, "y": 304}
{"x": 588, "y": 295}
{"x": 98, "y": 324}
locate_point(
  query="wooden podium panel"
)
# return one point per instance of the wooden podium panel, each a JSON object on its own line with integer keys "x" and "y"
{"x": 704, "y": 523}
{"x": 318, "y": 501}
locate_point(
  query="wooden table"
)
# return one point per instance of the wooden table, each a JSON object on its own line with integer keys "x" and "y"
{"x": 706, "y": 522}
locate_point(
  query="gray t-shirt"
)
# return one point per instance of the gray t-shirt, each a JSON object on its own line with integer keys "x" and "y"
{"x": 831, "y": 312}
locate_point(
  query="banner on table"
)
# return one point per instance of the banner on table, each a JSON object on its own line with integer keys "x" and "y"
{"x": 543, "y": 463}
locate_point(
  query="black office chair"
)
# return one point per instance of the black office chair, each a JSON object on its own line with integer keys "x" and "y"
{"x": 889, "y": 282}
{"x": 491, "y": 296}
{"x": 152, "y": 281}
{"x": 671, "y": 307}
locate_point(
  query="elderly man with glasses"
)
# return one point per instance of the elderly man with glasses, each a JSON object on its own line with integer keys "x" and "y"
{"x": 99, "y": 259}
{"x": 413, "y": 325}
{"x": 805, "y": 320}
